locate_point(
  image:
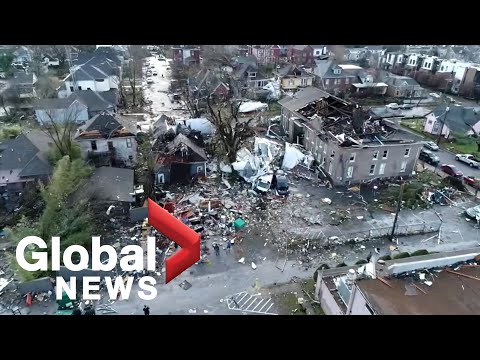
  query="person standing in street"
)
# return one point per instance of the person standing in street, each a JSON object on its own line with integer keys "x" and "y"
{"x": 229, "y": 245}
{"x": 216, "y": 248}
{"x": 146, "y": 310}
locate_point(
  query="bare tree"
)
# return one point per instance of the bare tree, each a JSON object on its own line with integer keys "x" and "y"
{"x": 60, "y": 126}
{"x": 231, "y": 131}
{"x": 46, "y": 87}
{"x": 133, "y": 74}
{"x": 145, "y": 164}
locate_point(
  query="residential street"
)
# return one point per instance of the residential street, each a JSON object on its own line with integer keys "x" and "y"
{"x": 278, "y": 171}
{"x": 446, "y": 157}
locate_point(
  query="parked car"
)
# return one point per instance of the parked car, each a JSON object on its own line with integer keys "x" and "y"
{"x": 406, "y": 106}
{"x": 149, "y": 73}
{"x": 264, "y": 183}
{"x": 431, "y": 146}
{"x": 280, "y": 183}
{"x": 451, "y": 170}
{"x": 468, "y": 159}
{"x": 473, "y": 212}
{"x": 149, "y": 80}
{"x": 472, "y": 181}
{"x": 429, "y": 157}
{"x": 393, "y": 106}
{"x": 154, "y": 73}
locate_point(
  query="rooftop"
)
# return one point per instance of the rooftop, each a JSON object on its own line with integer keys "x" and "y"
{"x": 303, "y": 97}
{"x": 110, "y": 184}
{"x": 449, "y": 294}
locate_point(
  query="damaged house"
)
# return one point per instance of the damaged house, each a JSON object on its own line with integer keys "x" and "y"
{"x": 207, "y": 83}
{"x": 106, "y": 141}
{"x": 248, "y": 80}
{"x": 111, "y": 189}
{"x": 180, "y": 161}
{"x": 349, "y": 144}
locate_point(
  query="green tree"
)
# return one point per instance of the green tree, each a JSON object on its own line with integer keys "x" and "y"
{"x": 9, "y": 131}
{"x": 69, "y": 220}
{"x": 5, "y": 62}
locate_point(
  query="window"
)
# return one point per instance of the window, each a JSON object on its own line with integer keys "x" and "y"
{"x": 375, "y": 155}
{"x": 372, "y": 169}
{"x": 93, "y": 143}
{"x": 327, "y": 82}
{"x": 332, "y": 155}
{"x": 71, "y": 88}
{"x": 330, "y": 167}
{"x": 385, "y": 154}
{"x": 350, "y": 172}
{"x": 352, "y": 157}
{"x": 252, "y": 74}
{"x": 129, "y": 142}
{"x": 89, "y": 89}
{"x": 290, "y": 82}
{"x": 199, "y": 169}
{"x": 79, "y": 88}
{"x": 110, "y": 145}
{"x": 404, "y": 166}
{"x": 407, "y": 152}
{"x": 397, "y": 93}
{"x": 347, "y": 80}
{"x": 337, "y": 81}
{"x": 430, "y": 122}
{"x": 99, "y": 80}
{"x": 304, "y": 82}
{"x": 381, "y": 170}
{"x": 441, "y": 68}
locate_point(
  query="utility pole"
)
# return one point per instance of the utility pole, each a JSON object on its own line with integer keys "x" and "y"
{"x": 399, "y": 204}
{"x": 447, "y": 109}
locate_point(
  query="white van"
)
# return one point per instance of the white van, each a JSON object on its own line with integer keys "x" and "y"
{"x": 264, "y": 183}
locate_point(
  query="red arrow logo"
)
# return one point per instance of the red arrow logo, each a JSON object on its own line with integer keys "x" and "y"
{"x": 175, "y": 230}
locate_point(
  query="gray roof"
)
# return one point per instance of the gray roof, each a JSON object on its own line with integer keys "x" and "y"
{"x": 302, "y": 98}
{"x": 182, "y": 139}
{"x": 46, "y": 104}
{"x": 401, "y": 81}
{"x": 246, "y": 60}
{"x": 321, "y": 67}
{"x": 110, "y": 184}
{"x": 106, "y": 124}
{"x": 27, "y": 154}
{"x": 21, "y": 78}
{"x": 459, "y": 119}
{"x": 93, "y": 100}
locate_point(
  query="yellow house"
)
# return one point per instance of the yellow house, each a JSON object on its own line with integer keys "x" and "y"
{"x": 292, "y": 78}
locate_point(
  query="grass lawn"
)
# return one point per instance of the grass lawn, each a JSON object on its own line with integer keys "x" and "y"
{"x": 464, "y": 145}
{"x": 287, "y": 298}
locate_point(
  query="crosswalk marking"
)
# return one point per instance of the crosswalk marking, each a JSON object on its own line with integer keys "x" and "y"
{"x": 245, "y": 302}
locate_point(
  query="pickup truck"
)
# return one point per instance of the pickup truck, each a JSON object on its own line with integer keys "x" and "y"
{"x": 468, "y": 159}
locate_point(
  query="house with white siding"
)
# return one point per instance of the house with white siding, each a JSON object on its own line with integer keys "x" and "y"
{"x": 107, "y": 140}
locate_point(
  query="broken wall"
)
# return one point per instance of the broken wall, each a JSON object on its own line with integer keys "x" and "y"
{"x": 354, "y": 164}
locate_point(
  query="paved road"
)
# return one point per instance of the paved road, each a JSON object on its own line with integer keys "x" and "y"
{"x": 445, "y": 156}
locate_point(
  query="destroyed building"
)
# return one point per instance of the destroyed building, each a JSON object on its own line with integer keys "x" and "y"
{"x": 350, "y": 144}
{"x": 107, "y": 140}
{"x": 180, "y": 161}
{"x": 434, "y": 284}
